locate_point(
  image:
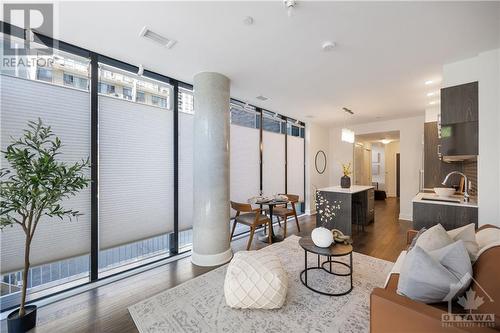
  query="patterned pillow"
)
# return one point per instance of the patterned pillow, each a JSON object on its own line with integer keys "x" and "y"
{"x": 255, "y": 280}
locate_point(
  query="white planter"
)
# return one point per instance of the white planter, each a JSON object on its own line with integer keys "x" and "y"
{"x": 322, "y": 237}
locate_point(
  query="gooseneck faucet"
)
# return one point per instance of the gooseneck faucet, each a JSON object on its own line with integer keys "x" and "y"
{"x": 466, "y": 180}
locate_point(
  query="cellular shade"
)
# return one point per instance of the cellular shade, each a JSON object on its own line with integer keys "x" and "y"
{"x": 185, "y": 171}
{"x": 295, "y": 165}
{"x": 135, "y": 171}
{"x": 273, "y": 160}
{"x": 244, "y": 162}
{"x": 67, "y": 111}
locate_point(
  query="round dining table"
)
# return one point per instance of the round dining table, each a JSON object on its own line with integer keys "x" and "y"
{"x": 271, "y": 204}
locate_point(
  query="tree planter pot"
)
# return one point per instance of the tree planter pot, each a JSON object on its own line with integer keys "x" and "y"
{"x": 16, "y": 324}
{"x": 345, "y": 182}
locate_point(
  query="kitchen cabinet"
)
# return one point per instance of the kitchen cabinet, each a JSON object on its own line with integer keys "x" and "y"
{"x": 449, "y": 216}
{"x": 434, "y": 169}
{"x": 459, "y": 104}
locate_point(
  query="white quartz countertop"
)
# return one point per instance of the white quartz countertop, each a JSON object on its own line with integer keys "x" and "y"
{"x": 435, "y": 200}
{"x": 350, "y": 190}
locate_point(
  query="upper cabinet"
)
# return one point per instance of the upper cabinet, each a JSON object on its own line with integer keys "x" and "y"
{"x": 459, "y": 104}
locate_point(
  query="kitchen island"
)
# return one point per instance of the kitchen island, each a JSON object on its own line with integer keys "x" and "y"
{"x": 338, "y": 208}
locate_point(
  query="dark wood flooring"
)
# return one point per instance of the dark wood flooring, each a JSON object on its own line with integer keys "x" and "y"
{"x": 104, "y": 309}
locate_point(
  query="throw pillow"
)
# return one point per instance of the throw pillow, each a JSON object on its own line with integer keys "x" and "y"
{"x": 437, "y": 276}
{"x": 467, "y": 233}
{"x": 414, "y": 240}
{"x": 434, "y": 238}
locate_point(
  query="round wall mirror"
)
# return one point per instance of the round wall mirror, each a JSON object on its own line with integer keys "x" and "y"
{"x": 320, "y": 162}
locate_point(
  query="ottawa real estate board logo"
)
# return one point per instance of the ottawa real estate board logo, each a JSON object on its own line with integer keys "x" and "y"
{"x": 21, "y": 46}
{"x": 471, "y": 302}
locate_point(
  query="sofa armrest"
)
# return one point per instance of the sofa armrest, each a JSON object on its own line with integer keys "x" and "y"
{"x": 410, "y": 234}
{"x": 390, "y": 312}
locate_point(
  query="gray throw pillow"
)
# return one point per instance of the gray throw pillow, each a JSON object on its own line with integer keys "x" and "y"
{"x": 437, "y": 276}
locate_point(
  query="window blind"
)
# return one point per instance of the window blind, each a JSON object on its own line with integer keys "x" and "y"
{"x": 244, "y": 162}
{"x": 295, "y": 165}
{"x": 273, "y": 177}
{"x": 67, "y": 111}
{"x": 135, "y": 171}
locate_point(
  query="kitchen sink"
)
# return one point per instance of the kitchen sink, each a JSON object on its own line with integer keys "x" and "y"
{"x": 442, "y": 199}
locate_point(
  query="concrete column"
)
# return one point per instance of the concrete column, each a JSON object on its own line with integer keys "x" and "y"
{"x": 211, "y": 244}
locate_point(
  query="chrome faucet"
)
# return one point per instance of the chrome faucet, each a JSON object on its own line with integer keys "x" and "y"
{"x": 466, "y": 180}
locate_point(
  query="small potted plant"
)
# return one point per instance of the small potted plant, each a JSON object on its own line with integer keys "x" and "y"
{"x": 345, "y": 180}
{"x": 33, "y": 188}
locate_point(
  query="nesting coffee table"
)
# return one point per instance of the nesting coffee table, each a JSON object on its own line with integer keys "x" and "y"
{"x": 335, "y": 250}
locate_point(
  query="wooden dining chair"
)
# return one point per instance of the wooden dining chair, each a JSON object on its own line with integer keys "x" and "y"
{"x": 284, "y": 212}
{"x": 251, "y": 217}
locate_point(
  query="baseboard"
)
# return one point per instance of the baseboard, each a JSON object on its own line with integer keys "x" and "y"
{"x": 406, "y": 217}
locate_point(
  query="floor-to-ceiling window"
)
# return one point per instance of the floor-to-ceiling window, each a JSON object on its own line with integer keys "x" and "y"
{"x": 295, "y": 161}
{"x": 136, "y": 170}
{"x": 51, "y": 86}
{"x": 273, "y": 160}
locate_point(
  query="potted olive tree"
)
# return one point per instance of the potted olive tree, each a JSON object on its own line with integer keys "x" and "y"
{"x": 32, "y": 188}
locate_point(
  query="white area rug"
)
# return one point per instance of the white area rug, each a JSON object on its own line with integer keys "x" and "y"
{"x": 198, "y": 305}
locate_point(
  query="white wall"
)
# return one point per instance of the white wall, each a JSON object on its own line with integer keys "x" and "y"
{"x": 317, "y": 138}
{"x": 411, "y": 148}
{"x": 391, "y": 149}
{"x": 485, "y": 68}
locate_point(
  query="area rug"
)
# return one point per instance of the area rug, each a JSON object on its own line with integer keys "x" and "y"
{"x": 198, "y": 305}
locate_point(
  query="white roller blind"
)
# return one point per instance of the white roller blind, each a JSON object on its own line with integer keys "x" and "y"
{"x": 273, "y": 176}
{"x": 135, "y": 171}
{"x": 185, "y": 171}
{"x": 68, "y": 112}
{"x": 295, "y": 165}
{"x": 244, "y": 161}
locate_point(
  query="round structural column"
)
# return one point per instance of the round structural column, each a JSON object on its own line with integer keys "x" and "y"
{"x": 211, "y": 244}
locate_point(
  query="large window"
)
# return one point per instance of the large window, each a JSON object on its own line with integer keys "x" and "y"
{"x": 136, "y": 171}
{"x": 60, "y": 249}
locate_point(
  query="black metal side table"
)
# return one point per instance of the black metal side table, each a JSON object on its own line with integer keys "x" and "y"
{"x": 336, "y": 250}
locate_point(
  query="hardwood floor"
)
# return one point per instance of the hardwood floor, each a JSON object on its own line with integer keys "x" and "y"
{"x": 104, "y": 309}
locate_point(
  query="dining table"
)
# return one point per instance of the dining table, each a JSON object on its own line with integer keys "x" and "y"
{"x": 271, "y": 204}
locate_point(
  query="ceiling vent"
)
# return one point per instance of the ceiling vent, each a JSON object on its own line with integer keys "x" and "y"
{"x": 262, "y": 98}
{"x": 157, "y": 38}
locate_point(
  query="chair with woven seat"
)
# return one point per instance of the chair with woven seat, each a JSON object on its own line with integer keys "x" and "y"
{"x": 284, "y": 212}
{"x": 251, "y": 217}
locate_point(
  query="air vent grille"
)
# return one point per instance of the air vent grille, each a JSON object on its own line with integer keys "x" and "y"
{"x": 157, "y": 38}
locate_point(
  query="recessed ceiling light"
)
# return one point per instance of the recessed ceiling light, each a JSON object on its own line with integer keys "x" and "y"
{"x": 429, "y": 82}
{"x": 433, "y": 102}
{"x": 431, "y": 94}
{"x": 385, "y": 141}
{"x": 328, "y": 46}
{"x": 248, "y": 20}
{"x": 262, "y": 98}
{"x": 157, "y": 38}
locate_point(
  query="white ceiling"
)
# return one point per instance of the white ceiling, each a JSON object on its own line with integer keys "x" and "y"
{"x": 385, "y": 53}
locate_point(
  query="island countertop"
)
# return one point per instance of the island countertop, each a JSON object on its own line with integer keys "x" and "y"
{"x": 351, "y": 190}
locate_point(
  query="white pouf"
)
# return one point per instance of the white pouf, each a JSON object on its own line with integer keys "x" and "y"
{"x": 255, "y": 280}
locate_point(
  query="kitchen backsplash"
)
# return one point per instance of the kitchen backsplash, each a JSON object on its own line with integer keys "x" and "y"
{"x": 470, "y": 170}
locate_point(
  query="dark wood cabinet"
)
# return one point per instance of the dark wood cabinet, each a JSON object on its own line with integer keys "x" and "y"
{"x": 449, "y": 216}
{"x": 459, "y": 104}
{"x": 434, "y": 169}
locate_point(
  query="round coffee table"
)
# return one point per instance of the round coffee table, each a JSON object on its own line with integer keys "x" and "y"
{"x": 336, "y": 250}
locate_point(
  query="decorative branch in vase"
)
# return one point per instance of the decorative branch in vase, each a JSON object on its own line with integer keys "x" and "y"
{"x": 34, "y": 188}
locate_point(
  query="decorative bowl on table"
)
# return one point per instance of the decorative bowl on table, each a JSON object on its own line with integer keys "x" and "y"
{"x": 280, "y": 197}
{"x": 259, "y": 199}
{"x": 444, "y": 191}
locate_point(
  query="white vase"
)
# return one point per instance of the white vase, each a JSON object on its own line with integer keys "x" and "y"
{"x": 322, "y": 237}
